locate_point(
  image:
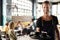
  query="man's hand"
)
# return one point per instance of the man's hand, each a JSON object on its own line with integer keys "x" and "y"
{"x": 37, "y": 29}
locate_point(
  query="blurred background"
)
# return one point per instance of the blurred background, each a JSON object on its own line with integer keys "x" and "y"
{"x": 24, "y": 11}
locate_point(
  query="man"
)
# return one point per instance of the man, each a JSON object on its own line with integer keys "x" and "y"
{"x": 47, "y": 23}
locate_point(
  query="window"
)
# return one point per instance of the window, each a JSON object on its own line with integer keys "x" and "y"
{"x": 39, "y": 10}
{"x": 24, "y": 7}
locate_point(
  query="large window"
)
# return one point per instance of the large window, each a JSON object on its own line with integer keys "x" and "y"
{"x": 54, "y": 10}
{"x": 39, "y": 10}
{"x": 22, "y": 8}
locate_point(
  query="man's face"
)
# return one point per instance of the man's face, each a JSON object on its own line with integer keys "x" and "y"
{"x": 46, "y": 8}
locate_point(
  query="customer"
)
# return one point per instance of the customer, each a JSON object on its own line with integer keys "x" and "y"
{"x": 11, "y": 32}
{"x": 6, "y": 27}
{"x": 19, "y": 27}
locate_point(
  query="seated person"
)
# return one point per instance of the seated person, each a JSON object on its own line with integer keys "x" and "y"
{"x": 11, "y": 32}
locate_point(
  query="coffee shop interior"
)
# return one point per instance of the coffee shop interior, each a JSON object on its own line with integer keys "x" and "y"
{"x": 23, "y": 15}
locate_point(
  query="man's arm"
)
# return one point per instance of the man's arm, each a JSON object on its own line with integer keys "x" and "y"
{"x": 57, "y": 31}
{"x": 38, "y": 24}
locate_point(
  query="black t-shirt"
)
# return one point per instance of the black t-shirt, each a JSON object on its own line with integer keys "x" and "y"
{"x": 48, "y": 26}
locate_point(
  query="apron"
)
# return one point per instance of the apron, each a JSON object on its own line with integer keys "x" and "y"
{"x": 49, "y": 30}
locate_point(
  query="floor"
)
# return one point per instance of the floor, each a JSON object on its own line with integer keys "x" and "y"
{"x": 25, "y": 37}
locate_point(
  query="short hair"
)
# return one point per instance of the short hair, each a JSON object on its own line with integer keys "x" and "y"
{"x": 11, "y": 25}
{"x": 7, "y": 24}
{"x": 19, "y": 21}
{"x": 46, "y": 2}
{"x": 32, "y": 19}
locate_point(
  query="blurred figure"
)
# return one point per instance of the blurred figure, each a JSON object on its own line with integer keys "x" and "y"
{"x": 6, "y": 27}
{"x": 33, "y": 25}
{"x": 28, "y": 26}
{"x": 19, "y": 27}
{"x": 11, "y": 32}
{"x": 28, "y": 29}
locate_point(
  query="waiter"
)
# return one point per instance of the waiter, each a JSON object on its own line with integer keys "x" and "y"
{"x": 47, "y": 23}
